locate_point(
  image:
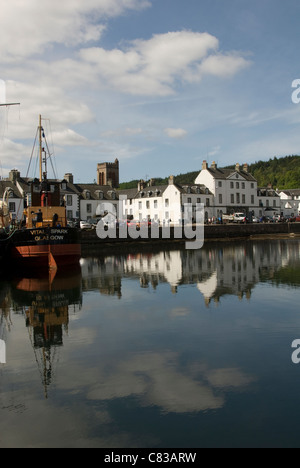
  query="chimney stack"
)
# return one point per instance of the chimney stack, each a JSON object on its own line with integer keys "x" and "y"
{"x": 237, "y": 167}
{"x": 69, "y": 178}
{"x": 213, "y": 166}
{"x": 204, "y": 166}
{"x": 245, "y": 168}
{"x": 14, "y": 175}
{"x": 171, "y": 180}
{"x": 141, "y": 185}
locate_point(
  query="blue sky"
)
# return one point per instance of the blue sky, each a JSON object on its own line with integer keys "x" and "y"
{"x": 158, "y": 84}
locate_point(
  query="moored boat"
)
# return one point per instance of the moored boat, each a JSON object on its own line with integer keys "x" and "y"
{"x": 44, "y": 239}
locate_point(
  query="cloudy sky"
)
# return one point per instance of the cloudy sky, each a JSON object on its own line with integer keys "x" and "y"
{"x": 158, "y": 84}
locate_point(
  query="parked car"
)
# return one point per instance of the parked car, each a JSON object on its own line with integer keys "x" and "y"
{"x": 255, "y": 219}
{"x": 93, "y": 222}
{"x": 239, "y": 218}
{"x": 134, "y": 223}
{"x": 145, "y": 223}
{"x": 290, "y": 219}
{"x": 85, "y": 225}
{"x": 277, "y": 218}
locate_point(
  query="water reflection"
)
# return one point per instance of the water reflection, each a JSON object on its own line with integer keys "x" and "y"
{"x": 228, "y": 269}
{"x": 146, "y": 360}
{"x": 45, "y": 302}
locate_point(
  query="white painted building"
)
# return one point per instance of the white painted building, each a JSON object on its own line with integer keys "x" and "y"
{"x": 164, "y": 203}
{"x": 290, "y": 202}
{"x": 235, "y": 190}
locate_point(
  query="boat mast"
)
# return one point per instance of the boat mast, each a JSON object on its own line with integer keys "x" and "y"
{"x": 10, "y": 104}
{"x": 41, "y": 149}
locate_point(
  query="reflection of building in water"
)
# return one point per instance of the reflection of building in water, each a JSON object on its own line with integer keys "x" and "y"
{"x": 222, "y": 269}
{"x": 5, "y": 319}
{"x": 103, "y": 274}
{"x": 164, "y": 267}
{"x": 46, "y": 304}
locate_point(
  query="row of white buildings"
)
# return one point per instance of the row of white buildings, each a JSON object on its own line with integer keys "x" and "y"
{"x": 221, "y": 191}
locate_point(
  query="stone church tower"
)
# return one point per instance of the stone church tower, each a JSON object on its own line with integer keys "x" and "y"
{"x": 108, "y": 174}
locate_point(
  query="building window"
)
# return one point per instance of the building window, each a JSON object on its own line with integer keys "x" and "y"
{"x": 220, "y": 198}
{"x": 198, "y": 200}
{"x": 252, "y": 186}
{"x": 140, "y": 205}
{"x": 243, "y": 185}
{"x": 155, "y": 204}
{"x": 69, "y": 214}
{"x": 244, "y": 199}
{"x": 12, "y": 206}
{"x": 252, "y": 199}
{"x": 232, "y": 198}
{"x": 69, "y": 200}
{"x": 274, "y": 203}
{"x": 220, "y": 184}
{"x": 147, "y": 205}
{"x": 89, "y": 208}
{"x": 231, "y": 185}
{"x": 238, "y": 198}
{"x": 237, "y": 185}
{"x": 167, "y": 203}
{"x": 189, "y": 200}
{"x": 207, "y": 202}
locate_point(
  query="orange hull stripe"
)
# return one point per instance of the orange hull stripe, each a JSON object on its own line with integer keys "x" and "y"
{"x": 44, "y": 250}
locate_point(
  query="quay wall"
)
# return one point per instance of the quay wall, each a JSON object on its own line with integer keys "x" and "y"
{"x": 91, "y": 242}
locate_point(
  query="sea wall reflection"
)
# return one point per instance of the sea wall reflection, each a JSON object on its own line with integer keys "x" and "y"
{"x": 225, "y": 269}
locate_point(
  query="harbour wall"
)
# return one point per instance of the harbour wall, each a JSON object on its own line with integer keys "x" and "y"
{"x": 167, "y": 237}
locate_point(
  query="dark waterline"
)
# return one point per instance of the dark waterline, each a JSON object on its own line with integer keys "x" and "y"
{"x": 179, "y": 349}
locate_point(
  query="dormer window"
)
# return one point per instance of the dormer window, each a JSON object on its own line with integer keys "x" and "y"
{"x": 99, "y": 195}
{"x": 87, "y": 195}
{"x": 64, "y": 186}
{"x": 113, "y": 195}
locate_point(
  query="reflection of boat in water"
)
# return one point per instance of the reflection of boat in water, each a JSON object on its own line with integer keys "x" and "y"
{"x": 46, "y": 302}
{"x": 5, "y": 220}
{"x": 45, "y": 239}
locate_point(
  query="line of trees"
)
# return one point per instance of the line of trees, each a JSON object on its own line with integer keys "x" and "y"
{"x": 282, "y": 173}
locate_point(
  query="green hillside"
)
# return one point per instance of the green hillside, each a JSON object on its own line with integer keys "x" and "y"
{"x": 282, "y": 173}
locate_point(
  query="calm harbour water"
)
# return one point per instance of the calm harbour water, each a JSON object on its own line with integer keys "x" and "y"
{"x": 178, "y": 349}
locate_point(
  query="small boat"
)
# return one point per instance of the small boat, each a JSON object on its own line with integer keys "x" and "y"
{"x": 45, "y": 240}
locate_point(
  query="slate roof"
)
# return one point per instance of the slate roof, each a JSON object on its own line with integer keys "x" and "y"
{"x": 291, "y": 193}
{"x": 224, "y": 174}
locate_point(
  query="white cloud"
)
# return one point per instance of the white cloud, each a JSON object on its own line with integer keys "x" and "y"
{"x": 177, "y": 133}
{"x": 29, "y": 27}
{"x": 223, "y": 65}
{"x": 155, "y": 66}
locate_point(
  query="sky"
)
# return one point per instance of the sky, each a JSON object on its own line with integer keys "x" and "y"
{"x": 159, "y": 84}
